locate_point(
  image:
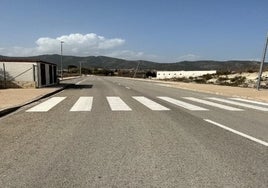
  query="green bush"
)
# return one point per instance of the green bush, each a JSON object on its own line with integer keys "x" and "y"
{"x": 238, "y": 80}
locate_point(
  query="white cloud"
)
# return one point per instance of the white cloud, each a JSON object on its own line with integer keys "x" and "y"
{"x": 82, "y": 45}
{"x": 188, "y": 57}
{"x": 126, "y": 54}
{"x": 133, "y": 55}
{"x": 74, "y": 44}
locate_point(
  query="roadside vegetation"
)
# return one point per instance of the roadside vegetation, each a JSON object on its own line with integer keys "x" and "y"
{"x": 226, "y": 78}
{"x": 242, "y": 79}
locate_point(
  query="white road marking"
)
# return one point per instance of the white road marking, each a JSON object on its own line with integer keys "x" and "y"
{"x": 117, "y": 104}
{"x": 239, "y": 104}
{"x": 250, "y": 101}
{"x": 150, "y": 104}
{"x": 127, "y": 87}
{"x": 82, "y": 104}
{"x": 80, "y": 81}
{"x": 237, "y": 132}
{"x": 47, "y": 105}
{"x": 183, "y": 104}
{"x": 213, "y": 104}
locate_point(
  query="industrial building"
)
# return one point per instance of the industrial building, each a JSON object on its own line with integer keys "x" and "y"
{"x": 21, "y": 73}
{"x": 182, "y": 74}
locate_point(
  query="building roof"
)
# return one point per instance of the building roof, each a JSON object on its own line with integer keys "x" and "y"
{"x": 25, "y": 60}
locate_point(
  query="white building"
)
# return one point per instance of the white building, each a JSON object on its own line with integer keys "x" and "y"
{"x": 19, "y": 73}
{"x": 181, "y": 74}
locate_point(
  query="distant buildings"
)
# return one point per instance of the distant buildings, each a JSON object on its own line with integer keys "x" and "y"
{"x": 181, "y": 74}
{"x": 19, "y": 73}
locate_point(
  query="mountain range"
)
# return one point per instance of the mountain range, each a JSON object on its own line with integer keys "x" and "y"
{"x": 115, "y": 63}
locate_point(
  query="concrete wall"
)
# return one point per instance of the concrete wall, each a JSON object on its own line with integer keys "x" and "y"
{"x": 181, "y": 74}
{"x": 21, "y": 71}
{"x": 25, "y": 74}
{"x": 18, "y": 75}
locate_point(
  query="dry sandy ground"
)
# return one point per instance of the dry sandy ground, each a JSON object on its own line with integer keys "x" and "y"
{"x": 247, "y": 93}
{"x": 14, "y": 97}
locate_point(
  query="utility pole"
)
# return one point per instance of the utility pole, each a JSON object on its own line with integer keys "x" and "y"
{"x": 80, "y": 68}
{"x": 262, "y": 62}
{"x": 61, "y": 42}
{"x": 5, "y": 78}
{"x": 136, "y": 69}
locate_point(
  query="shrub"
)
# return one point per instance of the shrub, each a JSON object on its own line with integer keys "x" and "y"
{"x": 238, "y": 80}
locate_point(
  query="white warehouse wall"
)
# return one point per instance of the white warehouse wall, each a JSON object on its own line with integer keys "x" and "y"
{"x": 181, "y": 74}
{"x": 21, "y": 74}
{"x": 21, "y": 71}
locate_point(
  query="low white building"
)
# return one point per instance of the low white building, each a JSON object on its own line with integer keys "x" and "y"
{"x": 182, "y": 74}
{"x": 20, "y": 73}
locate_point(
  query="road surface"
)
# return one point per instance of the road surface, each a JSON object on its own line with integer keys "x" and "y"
{"x": 114, "y": 132}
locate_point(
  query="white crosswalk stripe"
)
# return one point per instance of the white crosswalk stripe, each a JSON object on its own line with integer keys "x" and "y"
{"x": 47, "y": 105}
{"x": 82, "y": 104}
{"x": 229, "y": 108}
{"x": 239, "y": 104}
{"x": 182, "y": 104}
{"x": 150, "y": 104}
{"x": 250, "y": 101}
{"x": 117, "y": 104}
{"x": 85, "y": 103}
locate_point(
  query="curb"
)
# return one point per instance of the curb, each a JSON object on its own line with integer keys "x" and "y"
{"x": 9, "y": 110}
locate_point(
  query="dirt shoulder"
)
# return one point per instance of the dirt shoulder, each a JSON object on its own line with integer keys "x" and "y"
{"x": 247, "y": 93}
{"x": 15, "y": 97}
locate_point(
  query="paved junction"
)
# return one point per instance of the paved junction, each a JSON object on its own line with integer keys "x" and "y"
{"x": 114, "y": 132}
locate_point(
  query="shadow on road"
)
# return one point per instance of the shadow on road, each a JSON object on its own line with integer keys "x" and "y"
{"x": 82, "y": 86}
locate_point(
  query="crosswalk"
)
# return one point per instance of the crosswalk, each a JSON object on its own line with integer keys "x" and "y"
{"x": 47, "y": 105}
{"x": 83, "y": 104}
{"x": 116, "y": 103}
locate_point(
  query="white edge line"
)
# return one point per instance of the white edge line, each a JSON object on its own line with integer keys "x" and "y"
{"x": 81, "y": 81}
{"x": 237, "y": 132}
{"x": 250, "y": 101}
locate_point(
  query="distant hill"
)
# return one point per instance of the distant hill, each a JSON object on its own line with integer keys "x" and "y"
{"x": 115, "y": 63}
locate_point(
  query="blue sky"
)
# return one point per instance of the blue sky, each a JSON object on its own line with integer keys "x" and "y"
{"x": 157, "y": 30}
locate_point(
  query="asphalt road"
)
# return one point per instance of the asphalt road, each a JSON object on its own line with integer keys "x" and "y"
{"x": 126, "y": 136}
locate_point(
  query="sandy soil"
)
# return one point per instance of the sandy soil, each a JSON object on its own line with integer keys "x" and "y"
{"x": 248, "y": 93}
{"x": 14, "y": 97}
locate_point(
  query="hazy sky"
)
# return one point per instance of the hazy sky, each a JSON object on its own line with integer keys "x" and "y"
{"x": 158, "y": 30}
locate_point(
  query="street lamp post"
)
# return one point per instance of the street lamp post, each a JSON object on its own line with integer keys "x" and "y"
{"x": 61, "y": 42}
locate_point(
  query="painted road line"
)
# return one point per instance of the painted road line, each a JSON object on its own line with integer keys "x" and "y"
{"x": 127, "y": 87}
{"x": 81, "y": 81}
{"x": 150, "y": 104}
{"x": 213, "y": 104}
{"x": 82, "y": 104}
{"x": 250, "y": 101}
{"x": 47, "y": 105}
{"x": 237, "y": 132}
{"x": 183, "y": 104}
{"x": 117, "y": 104}
{"x": 239, "y": 104}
